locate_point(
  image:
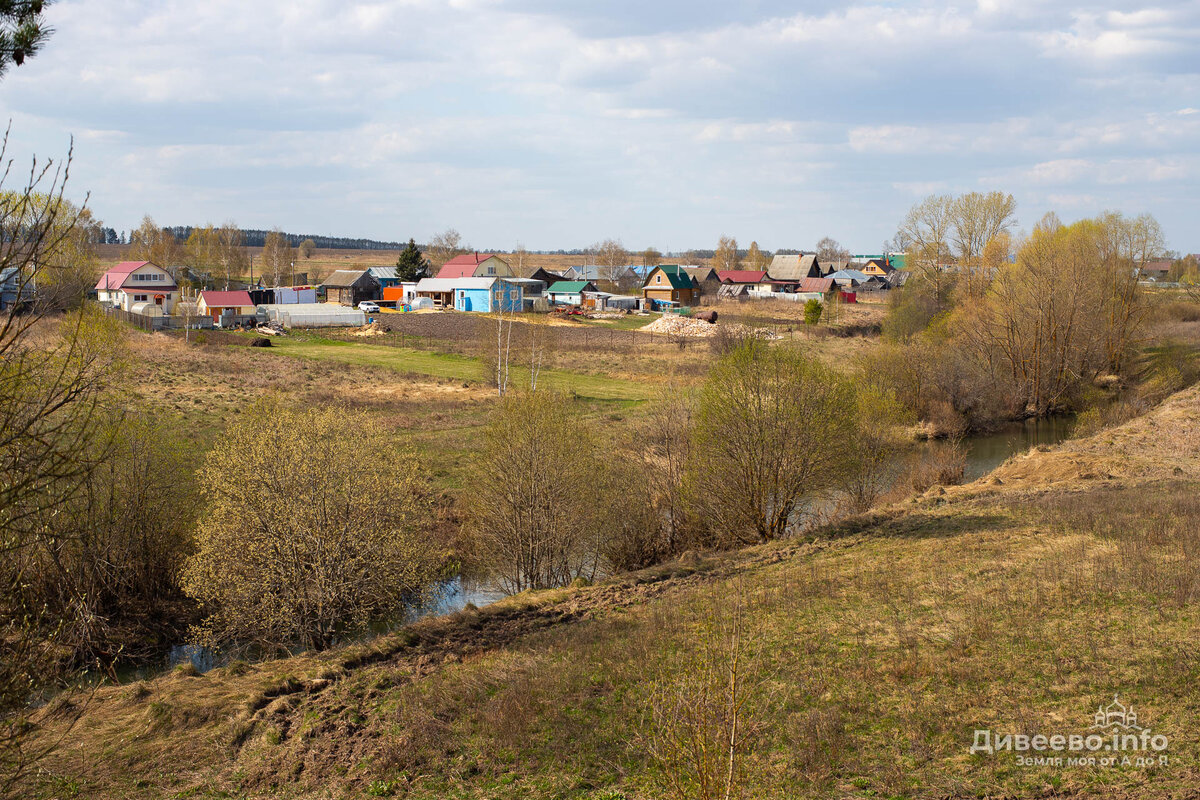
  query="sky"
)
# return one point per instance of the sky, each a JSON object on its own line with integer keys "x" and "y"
{"x": 557, "y": 123}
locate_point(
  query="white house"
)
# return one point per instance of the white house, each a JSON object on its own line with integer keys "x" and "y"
{"x": 133, "y": 282}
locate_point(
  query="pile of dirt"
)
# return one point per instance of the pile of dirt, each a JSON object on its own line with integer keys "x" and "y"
{"x": 374, "y": 329}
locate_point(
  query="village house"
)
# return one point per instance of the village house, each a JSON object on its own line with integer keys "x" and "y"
{"x": 476, "y": 265}
{"x": 1156, "y": 270}
{"x": 624, "y": 276}
{"x": 540, "y": 274}
{"x": 14, "y": 288}
{"x": 821, "y": 288}
{"x": 876, "y": 267}
{"x": 569, "y": 293}
{"x": 533, "y": 290}
{"x": 440, "y": 291}
{"x": 791, "y": 269}
{"x": 848, "y": 278}
{"x": 133, "y": 282}
{"x": 350, "y": 287}
{"x": 670, "y": 283}
{"x": 487, "y": 295}
{"x": 215, "y": 304}
{"x": 755, "y": 280}
{"x": 706, "y": 279}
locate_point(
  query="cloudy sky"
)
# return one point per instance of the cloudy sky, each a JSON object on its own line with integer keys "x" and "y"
{"x": 555, "y": 123}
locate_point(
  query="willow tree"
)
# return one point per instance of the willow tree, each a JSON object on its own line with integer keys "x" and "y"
{"x": 772, "y": 429}
{"x": 314, "y": 525}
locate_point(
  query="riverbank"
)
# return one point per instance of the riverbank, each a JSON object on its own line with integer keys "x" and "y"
{"x": 1015, "y": 603}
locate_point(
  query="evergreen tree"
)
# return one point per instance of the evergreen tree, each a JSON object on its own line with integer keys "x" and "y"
{"x": 411, "y": 266}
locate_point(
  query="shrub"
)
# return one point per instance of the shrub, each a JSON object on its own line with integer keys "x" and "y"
{"x": 772, "y": 429}
{"x": 313, "y": 527}
{"x": 812, "y": 312}
{"x": 531, "y": 520}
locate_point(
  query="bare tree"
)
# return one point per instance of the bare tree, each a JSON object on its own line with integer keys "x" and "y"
{"x": 52, "y": 384}
{"x": 611, "y": 258}
{"x": 519, "y": 257}
{"x": 230, "y": 253}
{"x": 927, "y": 229}
{"x": 830, "y": 249}
{"x": 709, "y": 709}
{"x": 529, "y": 523}
{"x": 149, "y": 242}
{"x": 651, "y": 257}
{"x": 976, "y": 219}
{"x": 444, "y": 246}
{"x": 278, "y": 257}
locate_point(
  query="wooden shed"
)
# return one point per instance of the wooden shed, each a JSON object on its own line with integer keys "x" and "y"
{"x": 350, "y": 287}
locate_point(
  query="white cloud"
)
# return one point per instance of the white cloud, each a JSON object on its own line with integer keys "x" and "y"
{"x": 363, "y": 116}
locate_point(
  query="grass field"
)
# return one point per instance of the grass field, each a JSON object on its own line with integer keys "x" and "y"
{"x": 873, "y": 651}
{"x": 452, "y": 366}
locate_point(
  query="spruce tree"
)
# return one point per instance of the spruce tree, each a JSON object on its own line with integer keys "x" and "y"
{"x": 411, "y": 266}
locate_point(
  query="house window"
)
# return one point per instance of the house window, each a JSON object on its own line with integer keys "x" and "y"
{"x": 139, "y": 298}
{"x": 658, "y": 279}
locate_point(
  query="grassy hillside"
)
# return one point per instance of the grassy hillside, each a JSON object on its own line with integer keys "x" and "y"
{"x": 873, "y": 650}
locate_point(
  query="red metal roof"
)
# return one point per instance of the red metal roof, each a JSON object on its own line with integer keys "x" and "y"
{"x": 226, "y": 299}
{"x": 115, "y": 277}
{"x": 463, "y": 266}
{"x": 742, "y": 276}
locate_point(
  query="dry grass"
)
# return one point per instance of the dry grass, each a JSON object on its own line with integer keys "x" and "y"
{"x": 1018, "y": 605}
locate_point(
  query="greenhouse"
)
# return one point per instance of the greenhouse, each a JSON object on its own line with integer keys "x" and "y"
{"x": 313, "y": 315}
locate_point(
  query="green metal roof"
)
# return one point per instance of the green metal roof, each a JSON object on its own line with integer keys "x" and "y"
{"x": 568, "y": 287}
{"x": 678, "y": 278}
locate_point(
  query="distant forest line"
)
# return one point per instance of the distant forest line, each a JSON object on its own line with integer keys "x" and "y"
{"x": 254, "y": 237}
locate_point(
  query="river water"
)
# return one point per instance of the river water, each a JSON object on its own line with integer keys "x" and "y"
{"x": 985, "y": 453}
{"x": 451, "y": 596}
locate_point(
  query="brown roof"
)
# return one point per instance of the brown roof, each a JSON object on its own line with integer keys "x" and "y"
{"x": 821, "y": 285}
{"x": 792, "y": 267}
{"x": 702, "y": 273}
{"x": 345, "y": 278}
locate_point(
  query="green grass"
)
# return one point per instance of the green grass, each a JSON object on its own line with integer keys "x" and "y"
{"x": 452, "y": 366}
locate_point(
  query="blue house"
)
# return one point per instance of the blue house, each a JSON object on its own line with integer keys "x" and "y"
{"x": 487, "y": 295}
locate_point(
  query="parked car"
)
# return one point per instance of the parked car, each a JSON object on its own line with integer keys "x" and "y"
{"x": 369, "y": 307}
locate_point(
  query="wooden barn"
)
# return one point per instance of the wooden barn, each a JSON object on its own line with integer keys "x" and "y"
{"x": 350, "y": 287}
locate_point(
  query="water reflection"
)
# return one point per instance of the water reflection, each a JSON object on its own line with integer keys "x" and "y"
{"x": 450, "y": 596}
{"x": 985, "y": 453}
